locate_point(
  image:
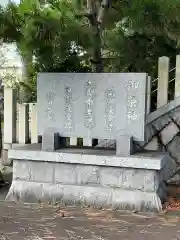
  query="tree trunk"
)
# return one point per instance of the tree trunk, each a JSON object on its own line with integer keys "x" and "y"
{"x": 96, "y": 17}
{"x": 96, "y": 60}
{"x": 1, "y": 143}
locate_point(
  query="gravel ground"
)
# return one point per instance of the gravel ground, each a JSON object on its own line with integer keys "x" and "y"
{"x": 43, "y": 222}
{"x": 37, "y": 222}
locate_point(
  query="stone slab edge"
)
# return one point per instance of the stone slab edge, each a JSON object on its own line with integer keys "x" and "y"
{"x": 140, "y": 162}
{"x": 163, "y": 110}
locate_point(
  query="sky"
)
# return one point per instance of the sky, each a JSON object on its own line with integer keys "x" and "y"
{"x": 4, "y": 2}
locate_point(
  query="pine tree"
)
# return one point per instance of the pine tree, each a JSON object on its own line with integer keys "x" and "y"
{"x": 119, "y": 35}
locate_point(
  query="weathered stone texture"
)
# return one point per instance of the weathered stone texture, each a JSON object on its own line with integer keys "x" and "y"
{"x": 81, "y": 175}
{"x": 95, "y": 157}
{"x": 88, "y": 175}
{"x": 124, "y": 145}
{"x": 124, "y": 184}
{"x": 64, "y": 173}
{"x": 41, "y": 172}
{"x": 174, "y": 148}
{"x": 169, "y": 132}
{"x": 21, "y": 170}
{"x": 76, "y": 174}
{"x": 84, "y": 195}
{"x": 164, "y": 134}
{"x": 111, "y": 177}
{"x": 153, "y": 145}
{"x": 176, "y": 115}
{"x": 150, "y": 131}
{"x": 91, "y": 106}
{"x": 50, "y": 139}
{"x": 161, "y": 122}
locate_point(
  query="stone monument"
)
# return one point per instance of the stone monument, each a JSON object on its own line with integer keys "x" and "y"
{"x": 102, "y": 106}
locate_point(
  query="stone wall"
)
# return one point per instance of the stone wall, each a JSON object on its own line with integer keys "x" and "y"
{"x": 163, "y": 135}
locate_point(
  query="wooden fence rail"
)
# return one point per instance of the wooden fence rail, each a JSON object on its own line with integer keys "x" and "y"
{"x": 165, "y": 77}
{"x": 20, "y": 120}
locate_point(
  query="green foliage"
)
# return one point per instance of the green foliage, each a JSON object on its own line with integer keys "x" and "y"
{"x": 57, "y": 36}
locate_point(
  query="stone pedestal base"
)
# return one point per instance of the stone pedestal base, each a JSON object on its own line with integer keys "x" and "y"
{"x": 90, "y": 177}
{"x": 96, "y": 196}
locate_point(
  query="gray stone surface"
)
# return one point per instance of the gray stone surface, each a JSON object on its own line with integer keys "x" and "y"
{"x": 41, "y": 172}
{"x": 150, "y": 132}
{"x": 159, "y": 123}
{"x": 176, "y": 115}
{"x": 70, "y": 182}
{"x": 92, "y": 105}
{"x": 163, "y": 134}
{"x": 153, "y": 145}
{"x": 76, "y": 174}
{"x": 90, "y": 177}
{"x": 106, "y": 143}
{"x": 124, "y": 145}
{"x": 174, "y": 148}
{"x": 84, "y": 195}
{"x": 138, "y": 179}
{"x": 168, "y": 133}
{"x": 50, "y": 139}
{"x": 5, "y": 160}
{"x": 64, "y": 173}
{"x": 22, "y": 170}
{"x": 171, "y": 106}
{"x": 151, "y": 160}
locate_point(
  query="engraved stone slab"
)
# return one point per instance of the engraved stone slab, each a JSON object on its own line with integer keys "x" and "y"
{"x": 103, "y": 105}
{"x": 50, "y": 140}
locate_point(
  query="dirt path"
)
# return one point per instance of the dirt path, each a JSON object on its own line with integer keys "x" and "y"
{"x": 35, "y": 222}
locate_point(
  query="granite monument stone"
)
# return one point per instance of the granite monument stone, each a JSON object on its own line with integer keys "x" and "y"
{"x": 93, "y": 105}
{"x": 50, "y": 140}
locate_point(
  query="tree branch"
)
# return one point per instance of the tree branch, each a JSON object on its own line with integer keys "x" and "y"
{"x": 91, "y": 7}
{"x": 103, "y": 10}
{"x": 88, "y": 15}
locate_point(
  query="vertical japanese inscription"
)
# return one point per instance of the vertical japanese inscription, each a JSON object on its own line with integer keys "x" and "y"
{"x": 49, "y": 112}
{"x": 68, "y": 108}
{"x": 132, "y": 84}
{"x": 90, "y": 95}
{"x": 110, "y": 109}
{"x": 132, "y": 101}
